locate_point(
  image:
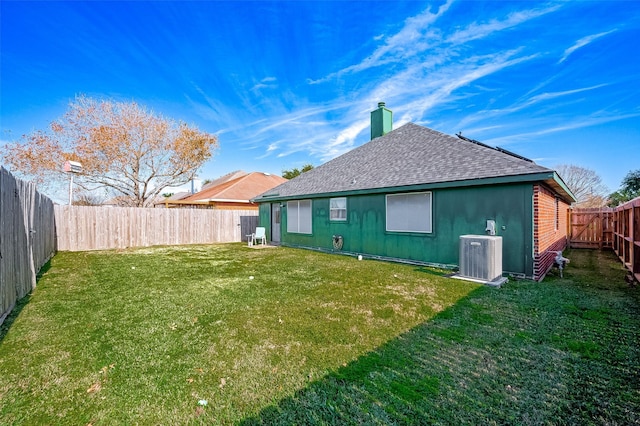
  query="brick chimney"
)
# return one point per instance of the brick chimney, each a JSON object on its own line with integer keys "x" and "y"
{"x": 381, "y": 121}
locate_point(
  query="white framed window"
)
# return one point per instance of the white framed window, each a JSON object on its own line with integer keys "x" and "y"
{"x": 409, "y": 212}
{"x": 299, "y": 217}
{"x": 338, "y": 209}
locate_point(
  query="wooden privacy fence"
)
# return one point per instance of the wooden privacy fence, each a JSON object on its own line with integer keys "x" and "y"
{"x": 32, "y": 228}
{"x": 626, "y": 243}
{"x": 27, "y": 238}
{"x": 591, "y": 228}
{"x": 82, "y": 228}
{"x": 616, "y": 228}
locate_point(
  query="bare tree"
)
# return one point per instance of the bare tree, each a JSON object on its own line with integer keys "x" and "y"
{"x": 88, "y": 199}
{"x": 122, "y": 147}
{"x": 585, "y": 184}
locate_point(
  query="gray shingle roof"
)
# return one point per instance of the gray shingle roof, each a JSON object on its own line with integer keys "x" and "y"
{"x": 409, "y": 155}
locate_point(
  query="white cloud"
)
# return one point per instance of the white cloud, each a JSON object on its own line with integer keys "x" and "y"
{"x": 552, "y": 95}
{"x": 581, "y": 43}
{"x": 579, "y": 123}
{"x": 429, "y": 70}
{"x": 521, "y": 105}
{"x": 265, "y": 83}
{"x": 272, "y": 147}
{"x": 421, "y": 93}
{"x": 344, "y": 141}
{"x": 417, "y": 88}
{"x": 411, "y": 38}
{"x": 427, "y": 73}
{"x": 475, "y": 31}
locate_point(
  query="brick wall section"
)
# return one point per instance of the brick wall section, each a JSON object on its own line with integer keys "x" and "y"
{"x": 546, "y": 238}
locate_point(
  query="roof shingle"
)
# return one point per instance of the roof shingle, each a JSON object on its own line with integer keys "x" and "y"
{"x": 408, "y": 155}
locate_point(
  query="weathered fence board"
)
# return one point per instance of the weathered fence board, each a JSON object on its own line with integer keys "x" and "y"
{"x": 27, "y": 238}
{"x": 248, "y": 226}
{"x": 82, "y": 228}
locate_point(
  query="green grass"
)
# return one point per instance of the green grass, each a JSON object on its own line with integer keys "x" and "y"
{"x": 140, "y": 336}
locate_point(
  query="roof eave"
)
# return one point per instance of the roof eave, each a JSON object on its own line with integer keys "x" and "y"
{"x": 561, "y": 188}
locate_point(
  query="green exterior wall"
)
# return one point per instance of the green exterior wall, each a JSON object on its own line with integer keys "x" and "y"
{"x": 264, "y": 218}
{"x": 456, "y": 211}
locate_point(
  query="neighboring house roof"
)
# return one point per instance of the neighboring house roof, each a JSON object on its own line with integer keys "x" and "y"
{"x": 415, "y": 155}
{"x": 224, "y": 178}
{"x": 126, "y": 201}
{"x": 174, "y": 197}
{"x": 239, "y": 190}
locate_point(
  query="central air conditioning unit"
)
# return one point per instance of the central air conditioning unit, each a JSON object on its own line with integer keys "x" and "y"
{"x": 481, "y": 257}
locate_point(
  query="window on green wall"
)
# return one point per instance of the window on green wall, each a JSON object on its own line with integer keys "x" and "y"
{"x": 299, "y": 217}
{"x": 338, "y": 209}
{"x": 410, "y": 212}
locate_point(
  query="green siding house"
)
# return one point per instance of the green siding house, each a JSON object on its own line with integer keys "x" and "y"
{"x": 410, "y": 193}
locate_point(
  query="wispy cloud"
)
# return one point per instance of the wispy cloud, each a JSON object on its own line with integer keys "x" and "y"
{"x": 452, "y": 65}
{"x": 344, "y": 140}
{"x": 295, "y": 117}
{"x": 418, "y": 88}
{"x": 476, "y": 31}
{"x": 413, "y": 37}
{"x": 582, "y": 43}
{"x": 265, "y": 83}
{"x": 441, "y": 86}
{"x": 522, "y": 104}
{"x": 578, "y": 123}
{"x": 429, "y": 72}
{"x": 552, "y": 95}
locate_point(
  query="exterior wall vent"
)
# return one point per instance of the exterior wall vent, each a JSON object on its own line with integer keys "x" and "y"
{"x": 481, "y": 257}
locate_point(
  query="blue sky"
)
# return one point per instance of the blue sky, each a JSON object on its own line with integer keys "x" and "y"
{"x": 283, "y": 84}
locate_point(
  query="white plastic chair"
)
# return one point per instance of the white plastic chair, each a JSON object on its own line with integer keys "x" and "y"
{"x": 260, "y": 235}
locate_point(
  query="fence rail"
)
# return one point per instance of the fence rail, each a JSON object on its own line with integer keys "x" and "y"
{"x": 27, "y": 238}
{"x": 616, "y": 228}
{"x": 82, "y": 228}
{"x": 626, "y": 243}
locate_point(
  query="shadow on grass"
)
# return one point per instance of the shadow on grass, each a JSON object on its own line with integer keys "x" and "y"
{"x": 20, "y": 304}
{"x": 514, "y": 355}
{"x": 434, "y": 271}
{"x": 417, "y": 378}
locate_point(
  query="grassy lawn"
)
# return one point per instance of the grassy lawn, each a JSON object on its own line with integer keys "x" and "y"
{"x": 147, "y": 336}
